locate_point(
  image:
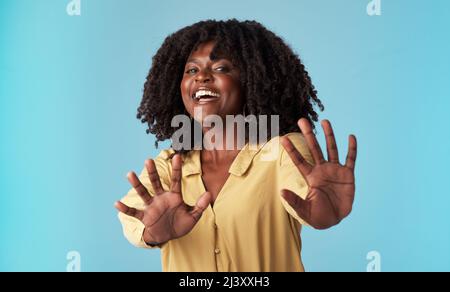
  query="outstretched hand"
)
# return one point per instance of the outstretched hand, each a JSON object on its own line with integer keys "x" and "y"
{"x": 331, "y": 185}
{"x": 165, "y": 216}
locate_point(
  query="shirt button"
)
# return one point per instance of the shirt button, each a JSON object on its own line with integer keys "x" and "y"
{"x": 215, "y": 226}
{"x": 217, "y": 251}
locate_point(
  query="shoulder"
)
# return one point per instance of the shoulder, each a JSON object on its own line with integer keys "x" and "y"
{"x": 297, "y": 139}
{"x": 162, "y": 163}
{"x": 165, "y": 154}
{"x": 190, "y": 160}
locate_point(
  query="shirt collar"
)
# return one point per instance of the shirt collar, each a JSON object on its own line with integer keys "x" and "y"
{"x": 240, "y": 165}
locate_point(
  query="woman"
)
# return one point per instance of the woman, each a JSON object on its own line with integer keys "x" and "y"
{"x": 232, "y": 210}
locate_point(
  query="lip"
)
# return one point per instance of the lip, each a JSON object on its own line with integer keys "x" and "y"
{"x": 205, "y": 100}
{"x": 203, "y": 88}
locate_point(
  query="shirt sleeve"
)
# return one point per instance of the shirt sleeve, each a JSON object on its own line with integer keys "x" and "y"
{"x": 289, "y": 176}
{"x": 133, "y": 228}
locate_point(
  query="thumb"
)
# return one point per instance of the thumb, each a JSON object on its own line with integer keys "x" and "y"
{"x": 295, "y": 201}
{"x": 202, "y": 203}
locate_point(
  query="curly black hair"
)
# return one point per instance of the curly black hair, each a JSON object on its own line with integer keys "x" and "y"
{"x": 273, "y": 79}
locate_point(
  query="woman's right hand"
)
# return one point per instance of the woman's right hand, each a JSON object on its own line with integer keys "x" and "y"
{"x": 165, "y": 216}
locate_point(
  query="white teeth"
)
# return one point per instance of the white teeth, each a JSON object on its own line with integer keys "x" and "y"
{"x": 201, "y": 93}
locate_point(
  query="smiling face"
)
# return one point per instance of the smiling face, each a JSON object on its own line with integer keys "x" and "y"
{"x": 211, "y": 85}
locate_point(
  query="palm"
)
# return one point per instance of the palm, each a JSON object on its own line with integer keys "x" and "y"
{"x": 331, "y": 185}
{"x": 165, "y": 216}
{"x": 168, "y": 217}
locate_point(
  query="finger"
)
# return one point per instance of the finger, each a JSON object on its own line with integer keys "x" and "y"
{"x": 139, "y": 187}
{"x": 202, "y": 203}
{"x": 133, "y": 212}
{"x": 300, "y": 206}
{"x": 154, "y": 176}
{"x": 302, "y": 165}
{"x": 351, "y": 155}
{"x": 175, "y": 185}
{"x": 313, "y": 145}
{"x": 332, "y": 150}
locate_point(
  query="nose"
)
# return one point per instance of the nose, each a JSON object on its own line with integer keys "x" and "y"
{"x": 203, "y": 76}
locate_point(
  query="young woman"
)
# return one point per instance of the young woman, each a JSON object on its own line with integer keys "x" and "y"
{"x": 232, "y": 210}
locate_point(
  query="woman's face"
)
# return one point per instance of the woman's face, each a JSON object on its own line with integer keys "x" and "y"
{"x": 212, "y": 86}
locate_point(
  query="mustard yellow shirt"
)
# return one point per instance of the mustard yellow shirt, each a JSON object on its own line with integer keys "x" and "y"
{"x": 250, "y": 226}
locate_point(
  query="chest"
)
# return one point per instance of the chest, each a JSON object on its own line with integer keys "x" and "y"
{"x": 215, "y": 177}
{"x": 240, "y": 199}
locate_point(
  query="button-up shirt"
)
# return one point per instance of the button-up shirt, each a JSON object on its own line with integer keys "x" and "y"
{"x": 250, "y": 227}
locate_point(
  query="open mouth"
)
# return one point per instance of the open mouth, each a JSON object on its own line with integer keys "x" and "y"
{"x": 205, "y": 95}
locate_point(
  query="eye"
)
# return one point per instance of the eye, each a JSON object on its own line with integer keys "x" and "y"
{"x": 222, "y": 69}
{"x": 191, "y": 71}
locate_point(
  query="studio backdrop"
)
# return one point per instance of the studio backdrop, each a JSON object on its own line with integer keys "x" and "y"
{"x": 72, "y": 76}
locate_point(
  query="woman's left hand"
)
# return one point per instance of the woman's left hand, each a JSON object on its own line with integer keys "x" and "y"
{"x": 331, "y": 186}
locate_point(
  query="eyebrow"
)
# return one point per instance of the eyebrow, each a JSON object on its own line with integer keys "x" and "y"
{"x": 192, "y": 61}
{"x": 197, "y": 61}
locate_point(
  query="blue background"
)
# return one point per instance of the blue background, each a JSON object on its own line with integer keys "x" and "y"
{"x": 70, "y": 86}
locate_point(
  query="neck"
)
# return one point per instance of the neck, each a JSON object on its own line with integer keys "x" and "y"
{"x": 215, "y": 147}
